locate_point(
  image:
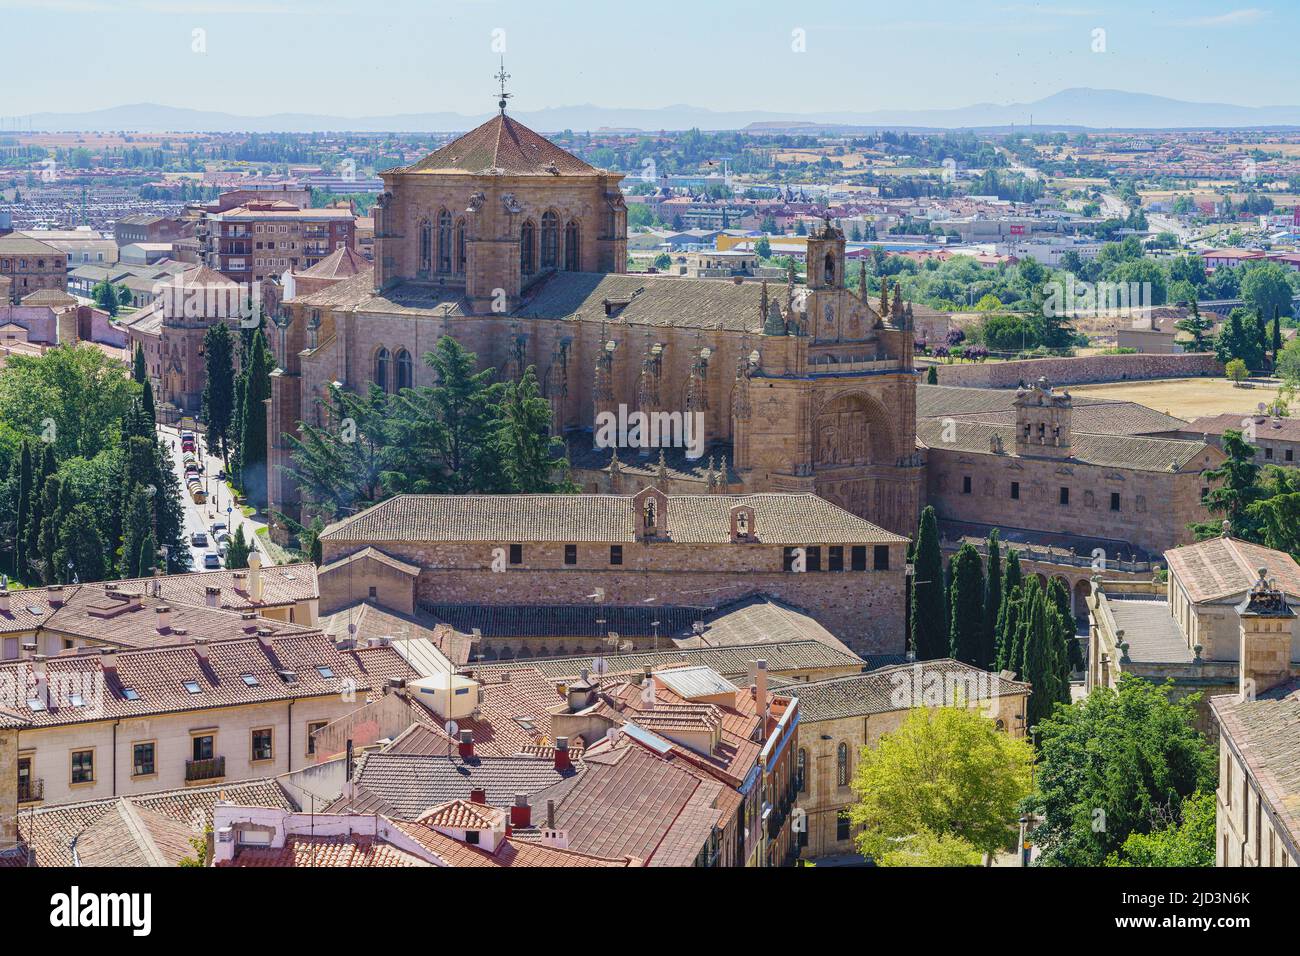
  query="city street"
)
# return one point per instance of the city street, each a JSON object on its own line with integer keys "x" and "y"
{"x": 220, "y": 505}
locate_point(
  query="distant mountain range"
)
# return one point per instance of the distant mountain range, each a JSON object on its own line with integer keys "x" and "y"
{"x": 1069, "y": 109}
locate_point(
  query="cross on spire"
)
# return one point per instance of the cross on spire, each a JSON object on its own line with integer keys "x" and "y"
{"x": 501, "y": 77}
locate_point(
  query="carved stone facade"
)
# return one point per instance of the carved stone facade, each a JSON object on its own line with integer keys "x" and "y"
{"x": 518, "y": 249}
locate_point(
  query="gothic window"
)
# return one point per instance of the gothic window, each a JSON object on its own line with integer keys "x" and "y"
{"x": 382, "y": 362}
{"x": 571, "y": 246}
{"x": 527, "y": 252}
{"x": 842, "y": 765}
{"x": 426, "y": 246}
{"x": 550, "y": 240}
{"x": 404, "y": 368}
{"x": 444, "y": 241}
{"x": 460, "y": 246}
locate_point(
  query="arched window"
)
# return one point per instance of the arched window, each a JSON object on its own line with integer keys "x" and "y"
{"x": 444, "y": 241}
{"x": 403, "y": 369}
{"x": 830, "y": 269}
{"x": 527, "y": 248}
{"x": 801, "y": 768}
{"x": 426, "y": 246}
{"x": 382, "y": 362}
{"x": 460, "y": 246}
{"x": 842, "y": 765}
{"x": 550, "y": 240}
{"x": 571, "y": 246}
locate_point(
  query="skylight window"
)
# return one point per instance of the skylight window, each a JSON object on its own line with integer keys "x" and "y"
{"x": 192, "y": 686}
{"x": 130, "y": 694}
{"x": 76, "y": 700}
{"x": 325, "y": 672}
{"x": 250, "y": 680}
{"x": 35, "y": 704}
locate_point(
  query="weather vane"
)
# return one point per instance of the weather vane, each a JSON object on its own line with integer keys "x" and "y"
{"x": 502, "y": 76}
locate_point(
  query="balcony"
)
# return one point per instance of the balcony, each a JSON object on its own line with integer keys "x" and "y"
{"x": 31, "y": 790}
{"x": 211, "y": 769}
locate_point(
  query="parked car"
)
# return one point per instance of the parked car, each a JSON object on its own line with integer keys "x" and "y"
{"x": 217, "y": 527}
{"x": 199, "y": 539}
{"x": 211, "y": 560}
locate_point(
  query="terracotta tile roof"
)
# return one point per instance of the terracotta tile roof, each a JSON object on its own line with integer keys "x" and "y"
{"x": 756, "y": 620}
{"x": 374, "y": 554}
{"x": 1226, "y": 567}
{"x": 463, "y": 815}
{"x": 282, "y": 584}
{"x": 1119, "y": 451}
{"x": 128, "y": 835}
{"x": 731, "y": 661}
{"x": 352, "y": 850}
{"x": 786, "y": 519}
{"x": 877, "y": 691}
{"x": 566, "y": 620}
{"x": 1266, "y": 733}
{"x": 340, "y": 263}
{"x": 409, "y": 783}
{"x": 509, "y": 852}
{"x": 369, "y": 622}
{"x": 52, "y": 831}
{"x": 501, "y": 145}
{"x": 1266, "y": 428}
{"x": 49, "y": 297}
{"x": 158, "y": 678}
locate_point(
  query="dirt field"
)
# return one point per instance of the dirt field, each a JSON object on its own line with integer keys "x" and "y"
{"x": 1187, "y": 397}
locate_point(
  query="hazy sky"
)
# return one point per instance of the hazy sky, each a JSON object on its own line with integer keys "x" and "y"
{"x": 374, "y": 57}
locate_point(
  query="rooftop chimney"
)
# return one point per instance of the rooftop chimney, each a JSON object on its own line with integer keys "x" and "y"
{"x": 562, "y": 762}
{"x": 466, "y": 744}
{"x": 1265, "y": 622}
{"x": 478, "y": 795}
{"x": 213, "y": 596}
{"x": 4, "y": 598}
{"x": 254, "y": 575}
{"x": 760, "y": 690}
{"x": 521, "y": 814}
{"x": 164, "y": 618}
{"x": 108, "y": 659}
{"x": 550, "y": 814}
{"x": 201, "y": 648}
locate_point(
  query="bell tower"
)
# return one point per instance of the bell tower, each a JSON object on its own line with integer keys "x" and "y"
{"x": 825, "y": 259}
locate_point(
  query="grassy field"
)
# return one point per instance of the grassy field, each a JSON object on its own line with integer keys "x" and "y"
{"x": 1187, "y": 397}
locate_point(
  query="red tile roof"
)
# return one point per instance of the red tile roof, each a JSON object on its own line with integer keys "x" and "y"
{"x": 503, "y": 145}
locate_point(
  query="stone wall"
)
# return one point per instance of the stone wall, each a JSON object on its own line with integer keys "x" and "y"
{"x": 1080, "y": 371}
{"x": 862, "y": 608}
{"x": 8, "y": 788}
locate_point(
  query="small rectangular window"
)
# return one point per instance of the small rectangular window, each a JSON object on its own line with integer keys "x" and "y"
{"x": 858, "y": 557}
{"x": 1268, "y": 452}
{"x": 842, "y": 828}
{"x": 516, "y": 554}
{"x": 83, "y": 766}
{"x": 965, "y": 484}
{"x": 142, "y": 760}
{"x": 1114, "y": 501}
{"x": 835, "y": 558}
{"x": 615, "y": 554}
{"x": 814, "y": 558}
{"x": 880, "y": 557}
{"x": 1289, "y": 455}
{"x": 1015, "y": 491}
{"x": 1065, "y": 495}
{"x": 570, "y": 554}
{"x": 787, "y": 559}
{"x": 262, "y": 744}
{"x": 311, "y": 734}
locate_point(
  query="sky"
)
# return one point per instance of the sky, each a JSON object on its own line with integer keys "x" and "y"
{"x": 379, "y": 57}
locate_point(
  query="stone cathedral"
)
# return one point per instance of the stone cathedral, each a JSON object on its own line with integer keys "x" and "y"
{"x": 517, "y": 249}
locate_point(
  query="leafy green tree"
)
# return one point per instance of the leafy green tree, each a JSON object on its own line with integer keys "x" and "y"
{"x": 82, "y": 546}
{"x": 1266, "y": 289}
{"x": 238, "y": 549}
{"x": 932, "y": 376}
{"x": 966, "y": 599}
{"x": 1240, "y": 338}
{"x": 947, "y": 771}
{"x": 930, "y": 623}
{"x": 1236, "y": 370}
{"x": 929, "y": 849}
{"x": 1111, "y": 763}
{"x": 219, "y": 386}
{"x": 1237, "y": 489}
{"x": 763, "y": 247}
{"x": 1197, "y": 326}
{"x": 1175, "y": 843}
{"x": 530, "y": 456}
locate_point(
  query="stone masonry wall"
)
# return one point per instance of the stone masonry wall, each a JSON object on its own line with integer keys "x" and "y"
{"x": 1079, "y": 371}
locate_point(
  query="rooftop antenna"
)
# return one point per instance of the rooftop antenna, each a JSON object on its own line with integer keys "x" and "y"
{"x": 501, "y": 77}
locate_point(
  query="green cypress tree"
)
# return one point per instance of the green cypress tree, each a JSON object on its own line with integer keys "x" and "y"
{"x": 929, "y": 611}
{"x": 932, "y": 376}
{"x": 966, "y": 634}
{"x": 1277, "y": 334}
{"x": 252, "y": 443}
{"x": 41, "y": 471}
{"x": 1039, "y": 636}
{"x": 148, "y": 556}
{"x": 529, "y": 455}
{"x": 219, "y": 386}
{"x": 1009, "y": 629}
{"x": 237, "y": 550}
{"x": 48, "y": 534}
{"x": 137, "y": 526}
{"x": 992, "y": 602}
{"x": 1060, "y": 594}
{"x": 23, "y": 491}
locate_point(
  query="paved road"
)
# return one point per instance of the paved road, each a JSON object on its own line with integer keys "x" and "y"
{"x": 220, "y": 504}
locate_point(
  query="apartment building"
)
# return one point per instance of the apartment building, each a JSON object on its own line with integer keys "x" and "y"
{"x": 264, "y": 238}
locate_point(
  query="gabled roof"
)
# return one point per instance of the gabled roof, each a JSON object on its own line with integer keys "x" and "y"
{"x": 505, "y": 146}
{"x": 876, "y": 692}
{"x": 1266, "y": 733}
{"x": 339, "y": 264}
{"x": 1226, "y": 567}
{"x": 509, "y": 852}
